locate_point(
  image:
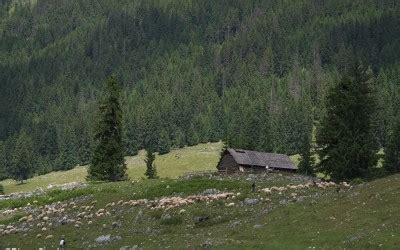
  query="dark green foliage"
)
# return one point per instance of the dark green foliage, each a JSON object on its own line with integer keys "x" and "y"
{"x": 3, "y": 161}
{"x": 172, "y": 221}
{"x": 23, "y": 164}
{"x": 164, "y": 143}
{"x": 392, "y": 151}
{"x": 1, "y": 189}
{"x": 108, "y": 161}
{"x": 151, "y": 171}
{"x": 306, "y": 164}
{"x": 179, "y": 141}
{"x": 192, "y": 136}
{"x": 357, "y": 181}
{"x": 84, "y": 146}
{"x": 347, "y": 147}
{"x": 130, "y": 140}
{"x": 191, "y": 71}
{"x": 67, "y": 158}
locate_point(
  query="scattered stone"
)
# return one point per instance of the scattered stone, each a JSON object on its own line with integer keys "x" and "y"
{"x": 49, "y": 237}
{"x": 249, "y": 201}
{"x": 103, "y": 239}
{"x": 235, "y": 224}
{"x": 211, "y": 191}
{"x": 116, "y": 224}
{"x": 257, "y": 226}
{"x": 129, "y": 247}
{"x": 166, "y": 217}
{"x": 38, "y": 235}
{"x": 283, "y": 202}
{"x": 206, "y": 244}
{"x": 182, "y": 211}
{"x": 300, "y": 199}
{"x": 23, "y": 219}
{"x": 201, "y": 218}
{"x": 139, "y": 216}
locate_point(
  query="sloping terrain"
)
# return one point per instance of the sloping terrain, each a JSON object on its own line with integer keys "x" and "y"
{"x": 219, "y": 212}
{"x": 202, "y": 157}
{"x": 253, "y": 72}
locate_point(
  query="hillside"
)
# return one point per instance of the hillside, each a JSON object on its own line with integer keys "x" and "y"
{"x": 254, "y": 73}
{"x": 114, "y": 215}
{"x": 178, "y": 162}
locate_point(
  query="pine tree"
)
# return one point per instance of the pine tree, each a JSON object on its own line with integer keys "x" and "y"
{"x": 392, "y": 151}
{"x": 151, "y": 171}
{"x": 164, "y": 144}
{"x": 193, "y": 137}
{"x": 3, "y": 161}
{"x": 179, "y": 138}
{"x": 108, "y": 163}
{"x": 67, "y": 158}
{"x": 84, "y": 146}
{"x": 130, "y": 141}
{"x": 23, "y": 158}
{"x": 347, "y": 147}
{"x": 306, "y": 164}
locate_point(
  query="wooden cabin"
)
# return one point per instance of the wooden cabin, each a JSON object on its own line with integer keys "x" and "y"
{"x": 239, "y": 160}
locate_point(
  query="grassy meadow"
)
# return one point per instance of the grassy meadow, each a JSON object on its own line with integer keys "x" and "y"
{"x": 361, "y": 217}
{"x": 202, "y": 157}
{"x": 365, "y": 216}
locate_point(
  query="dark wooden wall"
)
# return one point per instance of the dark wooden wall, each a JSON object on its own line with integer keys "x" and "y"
{"x": 228, "y": 164}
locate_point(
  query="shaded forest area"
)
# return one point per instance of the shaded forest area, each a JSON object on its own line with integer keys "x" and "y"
{"x": 252, "y": 73}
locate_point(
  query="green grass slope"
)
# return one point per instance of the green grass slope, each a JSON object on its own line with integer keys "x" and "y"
{"x": 365, "y": 216}
{"x": 202, "y": 157}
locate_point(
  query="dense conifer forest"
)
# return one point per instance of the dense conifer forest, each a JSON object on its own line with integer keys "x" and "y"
{"x": 253, "y": 73}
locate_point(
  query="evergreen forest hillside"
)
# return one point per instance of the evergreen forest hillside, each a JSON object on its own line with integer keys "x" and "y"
{"x": 252, "y": 73}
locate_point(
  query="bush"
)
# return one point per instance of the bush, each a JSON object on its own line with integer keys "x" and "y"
{"x": 357, "y": 181}
{"x": 1, "y": 189}
{"x": 171, "y": 221}
{"x": 375, "y": 173}
{"x": 156, "y": 213}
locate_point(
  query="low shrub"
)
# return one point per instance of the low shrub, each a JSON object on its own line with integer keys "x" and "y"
{"x": 172, "y": 221}
{"x": 357, "y": 181}
{"x": 156, "y": 213}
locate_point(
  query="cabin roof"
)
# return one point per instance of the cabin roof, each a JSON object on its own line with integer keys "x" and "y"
{"x": 261, "y": 159}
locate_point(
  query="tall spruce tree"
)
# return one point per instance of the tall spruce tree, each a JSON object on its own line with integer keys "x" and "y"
{"x": 3, "y": 161}
{"x": 23, "y": 158}
{"x": 164, "y": 145}
{"x": 108, "y": 163}
{"x": 151, "y": 171}
{"x": 346, "y": 145}
{"x": 306, "y": 164}
{"x": 392, "y": 151}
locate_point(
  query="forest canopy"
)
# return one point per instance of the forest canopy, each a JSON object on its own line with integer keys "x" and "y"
{"x": 252, "y": 73}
